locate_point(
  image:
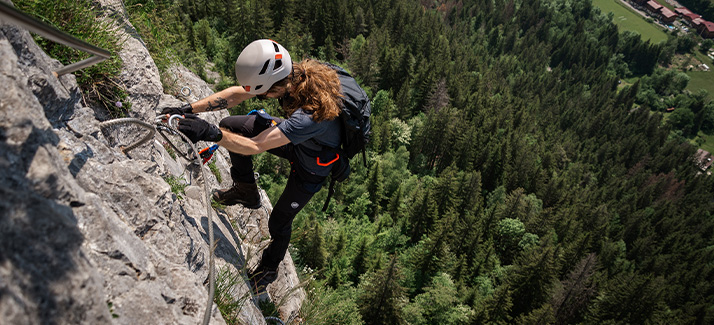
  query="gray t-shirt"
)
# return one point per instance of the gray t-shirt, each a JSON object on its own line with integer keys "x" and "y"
{"x": 310, "y": 139}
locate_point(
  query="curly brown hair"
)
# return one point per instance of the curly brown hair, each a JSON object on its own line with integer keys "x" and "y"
{"x": 314, "y": 87}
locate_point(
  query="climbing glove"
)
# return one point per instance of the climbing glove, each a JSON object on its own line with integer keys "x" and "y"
{"x": 197, "y": 129}
{"x": 183, "y": 110}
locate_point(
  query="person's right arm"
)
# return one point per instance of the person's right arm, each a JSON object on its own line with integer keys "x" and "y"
{"x": 223, "y": 99}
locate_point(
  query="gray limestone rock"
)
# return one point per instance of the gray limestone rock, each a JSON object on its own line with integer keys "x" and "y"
{"x": 90, "y": 235}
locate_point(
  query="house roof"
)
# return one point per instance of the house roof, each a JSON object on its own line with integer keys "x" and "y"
{"x": 667, "y": 13}
{"x": 683, "y": 11}
{"x": 692, "y": 16}
{"x": 697, "y": 22}
{"x": 708, "y": 25}
{"x": 654, "y": 4}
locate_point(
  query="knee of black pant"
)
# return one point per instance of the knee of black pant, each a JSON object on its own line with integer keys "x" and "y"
{"x": 281, "y": 232}
{"x": 280, "y": 225}
{"x": 224, "y": 124}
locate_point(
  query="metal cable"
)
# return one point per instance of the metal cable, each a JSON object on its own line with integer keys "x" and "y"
{"x": 211, "y": 244}
{"x": 135, "y": 121}
{"x": 14, "y": 16}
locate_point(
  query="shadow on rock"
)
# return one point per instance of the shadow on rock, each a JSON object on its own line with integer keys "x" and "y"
{"x": 79, "y": 160}
{"x": 224, "y": 248}
{"x": 40, "y": 244}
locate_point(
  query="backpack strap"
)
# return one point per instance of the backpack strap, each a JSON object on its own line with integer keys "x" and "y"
{"x": 329, "y": 194}
{"x": 339, "y": 173}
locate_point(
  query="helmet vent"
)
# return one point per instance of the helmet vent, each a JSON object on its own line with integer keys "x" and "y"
{"x": 278, "y": 64}
{"x": 275, "y": 45}
{"x": 258, "y": 87}
{"x": 265, "y": 67}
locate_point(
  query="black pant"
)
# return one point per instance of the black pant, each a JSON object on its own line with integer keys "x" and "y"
{"x": 299, "y": 190}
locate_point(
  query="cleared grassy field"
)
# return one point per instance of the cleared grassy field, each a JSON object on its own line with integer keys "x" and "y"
{"x": 709, "y": 144}
{"x": 628, "y": 20}
{"x": 701, "y": 80}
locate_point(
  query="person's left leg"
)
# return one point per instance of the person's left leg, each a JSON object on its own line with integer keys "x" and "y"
{"x": 247, "y": 126}
{"x": 244, "y": 189}
{"x": 290, "y": 203}
{"x": 296, "y": 195}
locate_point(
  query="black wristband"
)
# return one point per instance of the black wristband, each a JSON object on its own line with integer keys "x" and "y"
{"x": 214, "y": 134}
{"x": 187, "y": 108}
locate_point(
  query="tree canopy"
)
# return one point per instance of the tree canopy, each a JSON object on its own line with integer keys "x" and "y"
{"x": 511, "y": 177}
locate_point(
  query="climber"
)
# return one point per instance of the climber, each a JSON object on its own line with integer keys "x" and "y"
{"x": 309, "y": 93}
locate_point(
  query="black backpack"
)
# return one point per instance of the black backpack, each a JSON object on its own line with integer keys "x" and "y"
{"x": 356, "y": 127}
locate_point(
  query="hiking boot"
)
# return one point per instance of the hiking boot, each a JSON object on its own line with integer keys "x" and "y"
{"x": 261, "y": 277}
{"x": 244, "y": 193}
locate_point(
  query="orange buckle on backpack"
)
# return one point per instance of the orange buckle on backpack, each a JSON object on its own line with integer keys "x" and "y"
{"x": 329, "y": 163}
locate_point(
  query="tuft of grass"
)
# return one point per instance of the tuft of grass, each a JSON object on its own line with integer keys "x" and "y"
{"x": 226, "y": 283}
{"x": 268, "y": 308}
{"x": 110, "y": 306}
{"x": 214, "y": 169}
{"x": 217, "y": 206}
{"x": 99, "y": 83}
{"x": 151, "y": 21}
{"x": 178, "y": 185}
{"x": 170, "y": 150}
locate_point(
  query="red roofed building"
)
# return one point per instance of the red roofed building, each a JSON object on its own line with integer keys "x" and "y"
{"x": 691, "y": 17}
{"x": 667, "y": 16}
{"x": 706, "y": 28}
{"x": 696, "y": 23}
{"x": 682, "y": 11}
{"x": 653, "y": 6}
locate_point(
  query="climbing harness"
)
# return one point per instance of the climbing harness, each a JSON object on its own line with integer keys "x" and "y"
{"x": 160, "y": 127}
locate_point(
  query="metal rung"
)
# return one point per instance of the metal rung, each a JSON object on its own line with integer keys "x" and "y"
{"x": 10, "y": 15}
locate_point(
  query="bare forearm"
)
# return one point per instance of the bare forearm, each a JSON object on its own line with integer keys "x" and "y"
{"x": 239, "y": 144}
{"x": 223, "y": 99}
{"x": 266, "y": 140}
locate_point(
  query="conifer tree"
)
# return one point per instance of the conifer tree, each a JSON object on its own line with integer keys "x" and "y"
{"x": 381, "y": 298}
{"x": 570, "y": 301}
{"x": 422, "y": 216}
{"x": 629, "y": 297}
{"x": 376, "y": 189}
{"x": 311, "y": 245}
{"x": 439, "y": 304}
{"x": 533, "y": 279}
{"x": 496, "y": 308}
{"x": 359, "y": 262}
{"x": 432, "y": 253}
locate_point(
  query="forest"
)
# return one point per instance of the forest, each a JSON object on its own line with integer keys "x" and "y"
{"x": 511, "y": 176}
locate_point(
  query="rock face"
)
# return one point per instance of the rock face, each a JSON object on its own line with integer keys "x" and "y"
{"x": 90, "y": 235}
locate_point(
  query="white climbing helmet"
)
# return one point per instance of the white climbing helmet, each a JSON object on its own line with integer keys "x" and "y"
{"x": 261, "y": 64}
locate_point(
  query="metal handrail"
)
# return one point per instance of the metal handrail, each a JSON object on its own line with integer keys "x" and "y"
{"x": 16, "y": 17}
